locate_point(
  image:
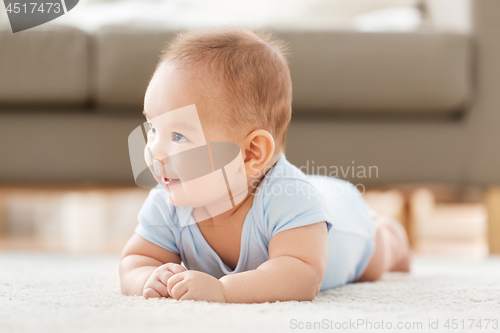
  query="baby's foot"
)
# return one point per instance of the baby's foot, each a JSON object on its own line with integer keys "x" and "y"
{"x": 403, "y": 265}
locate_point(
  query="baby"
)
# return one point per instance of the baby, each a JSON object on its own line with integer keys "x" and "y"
{"x": 269, "y": 232}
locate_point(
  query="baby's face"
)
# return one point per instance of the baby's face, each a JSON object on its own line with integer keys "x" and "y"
{"x": 177, "y": 148}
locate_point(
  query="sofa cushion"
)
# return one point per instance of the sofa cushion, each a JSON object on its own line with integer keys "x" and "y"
{"x": 125, "y": 59}
{"x": 332, "y": 72}
{"x": 347, "y": 71}
{"x": 47, "y": 64}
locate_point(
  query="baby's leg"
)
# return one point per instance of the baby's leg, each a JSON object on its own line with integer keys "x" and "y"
{"x": 392, "y": 250}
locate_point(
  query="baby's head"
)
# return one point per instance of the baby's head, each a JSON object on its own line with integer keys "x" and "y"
{"x": 240, "y": 84}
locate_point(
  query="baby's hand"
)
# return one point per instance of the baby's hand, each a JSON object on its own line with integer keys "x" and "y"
{"x": 156, "y": 285}
{"x": 197, "y": 286}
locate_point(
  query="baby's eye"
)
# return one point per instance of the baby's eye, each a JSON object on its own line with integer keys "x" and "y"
{"x": 178, "y": 137}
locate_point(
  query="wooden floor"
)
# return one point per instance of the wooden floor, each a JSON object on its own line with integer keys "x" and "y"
{"x": 493, "y": 206}
{"x": 101, "y": 219}
{"x": 72, "y": 219}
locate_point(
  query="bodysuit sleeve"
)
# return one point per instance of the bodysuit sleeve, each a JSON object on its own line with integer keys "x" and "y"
{"x": 156, "y": 224}
{"x": 292, "y": 203}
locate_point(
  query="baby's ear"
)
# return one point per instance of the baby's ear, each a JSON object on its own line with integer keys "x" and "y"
{"x": 259, "y": 150}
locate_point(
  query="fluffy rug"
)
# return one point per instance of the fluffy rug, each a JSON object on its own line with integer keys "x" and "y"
{"x": 52, "y": 292}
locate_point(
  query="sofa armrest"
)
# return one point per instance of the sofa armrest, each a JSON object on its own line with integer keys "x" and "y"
{"x": 484, "y": 116}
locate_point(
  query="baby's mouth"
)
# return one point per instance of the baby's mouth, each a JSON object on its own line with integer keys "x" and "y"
{"x": 169, "y": 181}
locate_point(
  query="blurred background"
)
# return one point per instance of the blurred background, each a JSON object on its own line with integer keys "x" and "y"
{"x": 399, "y": 97}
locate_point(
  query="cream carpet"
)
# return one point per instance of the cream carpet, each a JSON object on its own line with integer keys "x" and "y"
{"x": 50, "y": 292}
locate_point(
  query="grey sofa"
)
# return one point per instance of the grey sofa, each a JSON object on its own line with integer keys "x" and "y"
{"x": 418, "y": 106}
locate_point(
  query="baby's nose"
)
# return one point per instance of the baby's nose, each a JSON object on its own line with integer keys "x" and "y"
{"x": 158, "y": 168}
{"x": 163, "y": 168}
{"x": 156, "y": 163}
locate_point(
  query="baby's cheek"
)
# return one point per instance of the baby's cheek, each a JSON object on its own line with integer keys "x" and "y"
{"x": 201, "y": 191}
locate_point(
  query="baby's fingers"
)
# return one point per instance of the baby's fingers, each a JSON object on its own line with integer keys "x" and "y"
{"x": 157, "y": 286}
{"x": 175, "y": 268}
{"x": 150, "y": 293}
{"x": 165, "y": 276}
{"x": 175, "y": 286}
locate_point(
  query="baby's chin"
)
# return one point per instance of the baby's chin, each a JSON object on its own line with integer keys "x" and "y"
{"x": 216, "y": 203}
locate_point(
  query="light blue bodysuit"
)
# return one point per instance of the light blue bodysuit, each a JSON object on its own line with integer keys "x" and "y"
{"x": 285, "y": 198}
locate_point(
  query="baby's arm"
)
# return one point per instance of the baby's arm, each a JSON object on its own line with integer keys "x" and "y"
{"x": 139, "y": 260}
{"x": 294, "y": 271}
